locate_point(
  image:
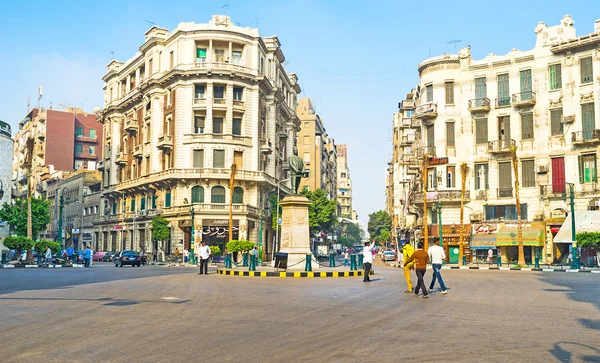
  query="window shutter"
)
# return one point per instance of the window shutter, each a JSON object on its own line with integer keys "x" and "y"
{"x": 487, "y": 183}
{"x": 594, "y": 172}
{"x": 580, "y": 163}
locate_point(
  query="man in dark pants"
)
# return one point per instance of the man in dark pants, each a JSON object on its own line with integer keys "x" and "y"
{"x": 367, "y": 261}
{"x": 421, "y": 259}
{"x": 203, "y": 254}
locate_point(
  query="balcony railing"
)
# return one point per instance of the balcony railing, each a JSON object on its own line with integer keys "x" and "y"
{"x": 550, "y": 190}
{"x": 165, "y": 142}
{"x": 501, "y": 146}
{"x": 238, "y": 104}
{"x": 408, "y": 139}
{"x": 426, "y": 110}
{"x": 426, "y": 150}
{"x": 583, "y": 137}
{"x": 121, "y": 158}
{"x": 219, "y": 101}
{"x": 503, "y": 102}
{"x": 265, "y": 145}
{"x": 198, "y": 102}
{"x": 137, "y": 151}
{"x": 131, "y": 125}
{"x": 406, "y": 122}
{"x": 479, "y": 105}
{"x": 445, "y": 196}
{"x": 505, "y": 192}
{"x": 523, "y": 99}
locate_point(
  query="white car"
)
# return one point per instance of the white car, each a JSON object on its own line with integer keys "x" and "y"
{"x": 389, "y": 256}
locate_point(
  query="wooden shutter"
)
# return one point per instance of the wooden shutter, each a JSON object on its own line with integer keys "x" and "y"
{"x": 580, "y": 163}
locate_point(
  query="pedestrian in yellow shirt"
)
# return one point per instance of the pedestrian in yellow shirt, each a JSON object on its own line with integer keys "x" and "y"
{"x": 407, "y": 252}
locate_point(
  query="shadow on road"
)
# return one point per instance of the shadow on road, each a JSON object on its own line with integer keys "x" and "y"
{"x": 108, "y": 301}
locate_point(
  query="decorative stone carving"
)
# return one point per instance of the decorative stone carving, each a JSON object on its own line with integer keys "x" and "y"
{"x": 567, "y": 119}
{"x": 540, "y": 27}
{"x": 570, "y": 84}
{"x": 598, "y": 54}
{"x": 466, "y": 52}
{"x": 569, "y": 60}
{"x": 555, "y": 103}
{"x": 587, "y": 97}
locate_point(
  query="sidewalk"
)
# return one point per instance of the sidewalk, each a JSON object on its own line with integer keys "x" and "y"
{"x": 542, "y": 268}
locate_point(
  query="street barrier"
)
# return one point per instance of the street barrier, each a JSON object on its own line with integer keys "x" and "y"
{"x": 308, "y": 266}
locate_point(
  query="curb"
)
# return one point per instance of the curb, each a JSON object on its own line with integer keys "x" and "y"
{"x": 38, "y": 266}
{"x": 299, "y": 274}
{"x": 509, "y": 269}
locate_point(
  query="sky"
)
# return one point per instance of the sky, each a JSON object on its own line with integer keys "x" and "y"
{"x": 355, "y": 59}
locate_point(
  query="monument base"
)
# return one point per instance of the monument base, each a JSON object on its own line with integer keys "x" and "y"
{"x": 295, "y": 232}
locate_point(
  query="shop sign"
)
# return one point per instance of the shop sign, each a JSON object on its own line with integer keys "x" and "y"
{"x": 485, "y": 228}
{"x": 75, "y": 231}
{"x": 558, "y": 213}
{"x": 219, "y": 222}
{"x": 555, "y": 221}
{"x": 87, "y": 236}
{"x": 438, "y": 161}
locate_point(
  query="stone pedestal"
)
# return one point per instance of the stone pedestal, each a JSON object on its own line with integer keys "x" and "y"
{"x": 295, "y": 233}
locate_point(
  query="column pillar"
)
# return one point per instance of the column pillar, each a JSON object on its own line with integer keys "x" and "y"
{"x": 228, "y": 127}
{"x": 209, "y": 56}
{"x": 230, "y": 53}
{"x": 208, "y": 122}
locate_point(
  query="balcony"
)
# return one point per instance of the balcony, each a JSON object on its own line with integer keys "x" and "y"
{"x": 121, "y": 159}
{"x": 481, "y": 194}
{"x": 169, "y": 109}
{"x": 504, "y": 192}
{"x": 407, "y": 140}
{"x": 131, "y": 125}
{"x": 265, "y": 145}
{"x": 523, "y": 99}
{"x": 165, "y": 142}
{"x": 501, "y": 146}
{"x": 238, "y": 105}
{"x": 502, "y": 102}
{"x": 199, "y": 102}
{"x": 219, "y": 103}
{"x": 585, "y": 137}
{"x": 445, "y": 196}
{"x": 137, "y": 151}
{"x": 407, "y": 105}
{"x": 100, "y": 165}
{"x": 425, "y": 151}
{"x": 479, "y": 105}
{"x": 552, "y": 191}
{"x": 148, "y": 114}
{"x": 426, "y": 110}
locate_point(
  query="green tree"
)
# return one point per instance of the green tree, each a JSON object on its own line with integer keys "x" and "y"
{"x": 15, "y": 215}
{"x": 239, "y": 246}
{"x": 273, "y": 202}
{"x": 380, "y": 224}
{"x": 18, "y": 243}
{"x": 215, "y": 250}
{"x": 42, "y": 245}
{"x": 322, "y": 211}
{"x": 589, "y": 240}
{"x": 354, "y": 233}
{"x": 161, "y": 230}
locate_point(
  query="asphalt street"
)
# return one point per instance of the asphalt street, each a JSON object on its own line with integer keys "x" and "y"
{"x": 158, "y": 314}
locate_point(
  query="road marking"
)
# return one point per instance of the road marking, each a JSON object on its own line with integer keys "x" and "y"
{"x": 596, "y": 272}
{"x": 463, "y": 267}
{"x": 170, "y": 298}
{"x": 548, "y": 270}
{"x": 484, "y": 268}
{"x": 572, "y": 270}
{"x": 31, "y": 266}
{"x": 525, "y": 269}
{"x": 504, "y": 268}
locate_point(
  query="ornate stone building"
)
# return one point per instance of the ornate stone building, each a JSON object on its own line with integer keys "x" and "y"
{"x": 544, "y": 102}
{"x": 6, "y": 150}
{"x": 177, "y": 115}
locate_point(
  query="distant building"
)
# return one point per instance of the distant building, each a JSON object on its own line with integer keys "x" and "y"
{"x": 52, "y": 140}
{"x": 6, "y": 150}
{"x": 344, "y": 183}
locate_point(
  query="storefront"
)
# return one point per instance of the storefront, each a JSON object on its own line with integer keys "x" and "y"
{"x": 451, "y": 241}
{"x": 482, "y": 242}
{"x": 533, "y": 242}
{"x": 585, "y": 221}
{"x": 552, "y": 253}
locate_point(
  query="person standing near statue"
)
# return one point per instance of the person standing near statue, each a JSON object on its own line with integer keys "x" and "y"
{"x": 367, "y": 261}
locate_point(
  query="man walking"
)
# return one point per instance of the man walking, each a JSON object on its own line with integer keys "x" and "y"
{"x": 48, "y": 258}
{"x": 346, "y": 256}
{"x": 407, "y": 252}
{"x": 70, "y": 253}
{"x": 367, "y": 261}
{"x": 176, "y": 255}
{"x": 490, "y": 256}
{"x": 421, "y": 259}
{"x": 87, "y": 256}
{"x": 203, "y": 254}
{"x": 186, "y": 255}
{"x": 437, "y": 255}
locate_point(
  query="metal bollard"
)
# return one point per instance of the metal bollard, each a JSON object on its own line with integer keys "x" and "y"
{"x": 308, "y": 266}
{"x": 464, "y": 261}
{"x": 228, "y": 261}
{"x": 499, "y": 261}
{"x": 537, "y": 262}
{"x": 352, "y": 262}
{"x": 3, "y": 258}
{"x": 245, "y": 260}
{"x": 331, "y": 260}
{"x": 252, "y": 266}
{"x": 360, "y": 260}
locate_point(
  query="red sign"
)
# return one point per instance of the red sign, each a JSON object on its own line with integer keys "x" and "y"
{"x": 117, "y": 228}
{"x": 438, "y": 161}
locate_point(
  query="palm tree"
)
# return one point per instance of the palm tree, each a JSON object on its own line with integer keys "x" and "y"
{"x": 464, "y": 171}
{"x": 515, "y": 165}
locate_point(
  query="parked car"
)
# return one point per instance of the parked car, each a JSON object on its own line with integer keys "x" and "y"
{"x": 98, "y": 256}
{"x": 388, "y": 256}
{"x": 127, "y": 258}
{"x": 108, "y": 257}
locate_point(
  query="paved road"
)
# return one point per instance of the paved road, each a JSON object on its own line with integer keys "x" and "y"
{"x": 157, "y": 314}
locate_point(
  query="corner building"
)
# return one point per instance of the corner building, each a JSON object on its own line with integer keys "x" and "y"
{"x": 189, "y": 104}
{"x": 544, "y": 101}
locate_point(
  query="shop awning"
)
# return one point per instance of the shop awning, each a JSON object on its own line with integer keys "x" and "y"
{"x": 585, "y": 221}
{"x": 483, "y": 241}
{"x": 531, "y": 237}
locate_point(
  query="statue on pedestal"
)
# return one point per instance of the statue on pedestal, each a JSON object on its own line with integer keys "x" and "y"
{"x": 296, "y": 170}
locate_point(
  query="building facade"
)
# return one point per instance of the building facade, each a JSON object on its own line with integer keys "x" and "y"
{"x": 6, "y": 150}
{"x": 344, "y": 183}
{"x": 53, "y": 140}
{"x": 80, "y": 193}
{"x": 316, "y": 149}
{"x": 541, "y": 103}
{"x": 190, "y": 104}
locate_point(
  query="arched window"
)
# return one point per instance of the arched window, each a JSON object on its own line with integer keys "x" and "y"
{"x": 217, "y": 195}
{"x": 197, "y": 194}
{"x": 238, "y": 195}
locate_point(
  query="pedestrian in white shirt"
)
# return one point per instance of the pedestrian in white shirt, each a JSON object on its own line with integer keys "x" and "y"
{"x": 48, "y": 258}
{"x": 437, "y": 256}
{"x": 367, "y": 260}
{"x": 203, "y": 254}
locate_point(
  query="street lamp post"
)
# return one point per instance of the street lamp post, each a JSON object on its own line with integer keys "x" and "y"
{"x": 575, "y": 259}
{"x": 436, "y": 198}
{"x": 61, "y": 205}
{"x": 192, "y": 236}
{"x": 123, "y": 205}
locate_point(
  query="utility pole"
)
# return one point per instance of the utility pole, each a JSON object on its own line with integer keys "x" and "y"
{"x": 425, "y": 164}
{"x": 260, "y": 229}
{"x": 60, "y": 218}
{"x": 575, "y": 259}
{"x": 192, "y": 236}
{"x": 231, "y": 187}
{"x": 439, "y": 215}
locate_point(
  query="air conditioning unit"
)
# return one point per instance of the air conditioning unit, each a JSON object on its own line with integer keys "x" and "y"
{"x": 542, "y": 169}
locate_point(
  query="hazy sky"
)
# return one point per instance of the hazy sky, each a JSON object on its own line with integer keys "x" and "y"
{"x": 355, "y": 59}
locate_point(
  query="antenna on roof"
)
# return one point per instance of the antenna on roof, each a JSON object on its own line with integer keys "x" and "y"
{"x": 226, "y": 7}
{"x": 454, "y": 42}
{"x": 39, "y": 99}
{"x": 151, "y": 23}
{"x": 28, "y": 101}
{"x": 256, "y": 22}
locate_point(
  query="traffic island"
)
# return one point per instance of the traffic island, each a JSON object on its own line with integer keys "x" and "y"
{"x": 295, "y": 274}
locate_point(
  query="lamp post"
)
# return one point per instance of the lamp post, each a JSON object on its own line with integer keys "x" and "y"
{"x": 61, "y": 205}
{"x": 575, "y": 259}
{"x": 436, "y": 198}
{"x": 192, "y": 236}
{"x": 123, "y": 205}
